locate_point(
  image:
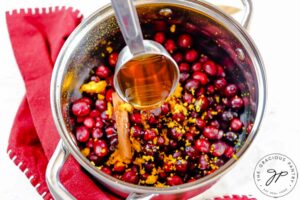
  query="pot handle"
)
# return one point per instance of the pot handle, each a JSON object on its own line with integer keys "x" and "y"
{"x": 55, "y": 164}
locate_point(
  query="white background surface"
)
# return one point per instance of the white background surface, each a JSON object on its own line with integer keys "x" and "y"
{"x": 274, "y": 28}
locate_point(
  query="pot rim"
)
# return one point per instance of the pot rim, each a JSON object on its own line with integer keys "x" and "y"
{"x": 214, "y": 13}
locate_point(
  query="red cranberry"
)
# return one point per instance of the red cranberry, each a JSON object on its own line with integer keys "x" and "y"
{"x": 87, "y": 100}
{"x": 210, "y": 89}
{"x": 187, "y": 97}
{"x": 97, "y": 133}
{"x": 202, "y": 145}
{"x": 203, "y": 161}
{"x": 192, "y": 84}
{"x": 220, "y": 83}
{"x": 184, "y": 67}
{"x": 102, "y": 71}
{"x": 231, "y": 136}
{"x": 173, "y": 144}
{"x": 110, "y": 132}
{"x": 130, "y": 177}
{"x": 191, "y": 152}
{"x": 191, "y": 180}
{"x": 202, "y": 103}
{"x": 110, "y": 81}
{"x": 221, "y": 72}
{"x": 152, "y": 120}
{"x": 82, "y": 134}
{"x": 160, "y": 25}
{"x": 119, "y": 167}
{"x": 200, "y": 92}
{"x": 229, "y": 152}
{"x": 196, "y": 67}
{"x": 237, "y": 103}
{"x": 89, "y": 122}
{"x": 227, "y": 116}
{"x": 95, "y": 113}
{"x": 80, "y": 119}
{"x": 210, "y": 132}
{"x": 136, "y": 118}
{"x": 200, "y": 77}
{"x": 226, "y": 101}
{"x": 101, "y": 105}
{"x": 90, "y": 143}
{"x": 184, "y": 41}
{"x": 215, "y": 123}
{"x": 231, "y": 90}
{"x": 95, "y": 79}
{"x": 218, "y": 148}
{"x": 210, "y": 68}
{"x": 112, "y": 59}
{"x": 249, "y": 128}
{"x": 100, "y": 148}
{"x": 179, "y": 117}
{"x": 149, "y": 166}
{"x": 181, "y": 165}
{"x": 99, "y": 122}
{"x": 106, "y": 170}
{"x": 200, "y": 123}
{"x": 108, "y": 95}
{"x": 191, "y": 55}
{"x": 80, "y": 108}
{"x": 167, "y": 167}
{"x": 94, "y": 158}
{"x": 159, "y": 37}
{"x": 203, "y": 59}
{"x": 189, "y": 136}
{"x": 174, "y": 180}
{"x": 178, "y": 57}
{"x": 183, "y": 77}
{"x": 175, "y": 134}
{"x": 170, "y": 45}
{"x": 136, "y": 131}
{"x": 149, "y": 135}
{"x": 236, "y": 124}
{"x": 165, "y": 108}
{"x": 160, "y": 141}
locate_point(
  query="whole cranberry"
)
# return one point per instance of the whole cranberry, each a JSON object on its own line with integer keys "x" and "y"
{"x": 175, "y": 134}
{"x": 221, "y": 72}
{"x": 229, "y": 152}
{"x": 108, "y": 95}
{"x": 110, "y": 132}
{"x": 202, "y": 103}
{"x": 184, "y": 41}
{"x": 130, "y": 177}
{"x": 192, "y": 84}
{"x": 189, "y": 136}
{"x": 191, "y": 55}
{"x": 112, "y": 59}
{"x": 98, "y": 122}
{"x": 152, "y": 120}
{"x": 231, "y": 90}
{"x": 80, "y": 119}
{"x": 149, "y": 166}
{"x": 94, "y": 158}
{"x": 226, "y": 101}
{"x": 100, "y": 148}
{"x": 95, "y": 79}
{"x": 191, "y": 152}
{"x": 200, "y": 123}
{"x": 218, "y": 148}
{"x": 89, "y": 122}
{"x": 82, "y": 134}
{"x": 102, "y": 71}
{"x": 178, "y": 57}
{"x": 150, "y": 134}
{"x": 220, "y": 83}
{"x": 203, "y": 59}
{"x": 202, "y": 145}
{"x": 227, "y": 116}
{"x": 191, "y": 180}
{"x": 136, "y": 131}
{"x": 236, "y": 124}
{"x": 167, "y": 167}
{"x": 201, "y": 92}
{"x": 87, "y": 100}
{"x": 183, "y": 77}
{"x": 101, "y": 105}
{"x": 196, "y": 67}
{"x": 110, "y": 81}
{"x": 136, "y": 118}
{"x": 237, "y": 103}
{"x": 187, "y": 97}
{"x": 200, "y": 77}
{"x": 160, "y": 141}
{"x": 215, "y": 123}
{"x": 170, "y": 45}
{"x": 231, "y": 136}
{"x": 210, "y": 89}
{"x": 174, "y": 180}
{"x": 80, "y": 108}
{"x": 106, "y": 170}
{"x": 210, "y": 68}
{"x": 104, "y": 116}
{"x": 97, "y": 133}
{"x": 159, "y": 37}
{"x": 184, "y": 67}
{"x": 203, "y": 161}
{"x": 179, "y": 117}
{"x": 160, "y": 25}
{"x": 181, "y": 165}
{"x": 165, "y": 108}
{"x": 95, "y": 113}
{"x": 210, "y": 132}
{"x": 90, "y": 143}
{"x": 173, "y": 144}
{"x": 249, "y": 128}
{"x": 119, "y": 167}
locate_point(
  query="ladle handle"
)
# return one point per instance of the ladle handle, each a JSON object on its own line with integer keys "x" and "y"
{"x": 247, "y": 12}
{"x": 129, "y": 24}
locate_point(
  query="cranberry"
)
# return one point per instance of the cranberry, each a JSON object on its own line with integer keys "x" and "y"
{"x": 203, "y": 59}
{"x": 160, "y": 141}
{"x": 229, "y": 152}
{"x": 167, "y": 167}
{"x": 101, "y": 105}
{"x": 184, "y": 67}
{"x": 191, "y": 180}
{"x": 249, "y": 128}
{"x": 184, "y": 41}
{"x": 183, "y": 77}
{"x": 89, "y": 122}
{"x": 150, "y": 135}
{"x": 176, "y": 134}
{"x": 136, "y": 118}
{"x": 181, "y": 165}
{"x": 95, "y": 113}
{"x": 201, "y": 103}
{"x": 152, "y": 120}
{"x": 82, "y": 134}
{"x": 187, "y": 97}
{"x": 202, "y": 145}
{"x": 200, "y": 77}
{"x": 174, "y": 180}
{"x": 196, "y": 67}
{"x": 177, "y": 154}
{"x": 95, "y": 79}
{"x": 87, "y": 100}
{"x": 165, "y": 108}
{"x": 102, "y": 71}
{"x": 119, "y": 167}
{"x": 90, "y": 143}
{"x": 97, "y": 133}
{"x": 200, "y": 123}
{"x": 192, "y": 84}
{"x": 98, "y": 122}
{"x": 210, "y": 68}
{"x": 236, "y": 124}
{"x": 110, "y": 81}
{"x": 80, "y": 108}
{"x": 227, "y": 116}
{"x": 191, "y": 55}
{"x": 106, "y": 170}
{"x": 110, "y": 132}
{"x": 160, "y": 25}
{"x": 221, "y": 72}
{"x": 136, "y": 131}
{"x": 80, "y": 119}
{"x": 191, "y": 152}
{"x": 112, "y": 59}
{"x": 179, "y": 117}
{"x": 173, "y": 144}
{"x": 149, "y": 166}
{"x": 231, "y": 136}
{"x": 94, "y": 158}
{"x": 203, "y": 161}
{"x": 178, "y": 57}
{"x": 170, "y": 45}
{"x": 226, "y": 101}
{"x": 210, "y": 132}
{"x": 220, "y": 83}
{"x": 231, "y": 90}
{"x": 200, "y": 92}
{"x": 218, "y": 148}
{"x": 215, "y": 123}
{"x": 210, "y": 89}
{"x": 130, "y": 177}
{"x": 159, "y": 37}
{"x": 237, "y": 103}
{"x": 100, "y": 148}
{"x": 108, "y": 95}
{"x": 189, "y": 136}
{"x": 104, "y": 116}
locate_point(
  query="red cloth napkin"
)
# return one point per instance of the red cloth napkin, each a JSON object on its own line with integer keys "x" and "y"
{"x": 37, "y": 36}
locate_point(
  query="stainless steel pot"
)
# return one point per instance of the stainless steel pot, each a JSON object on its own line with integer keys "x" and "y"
{"x": 226, "y": 41}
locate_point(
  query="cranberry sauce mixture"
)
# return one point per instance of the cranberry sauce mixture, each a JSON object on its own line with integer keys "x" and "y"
{"x": 190, "y": 136}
